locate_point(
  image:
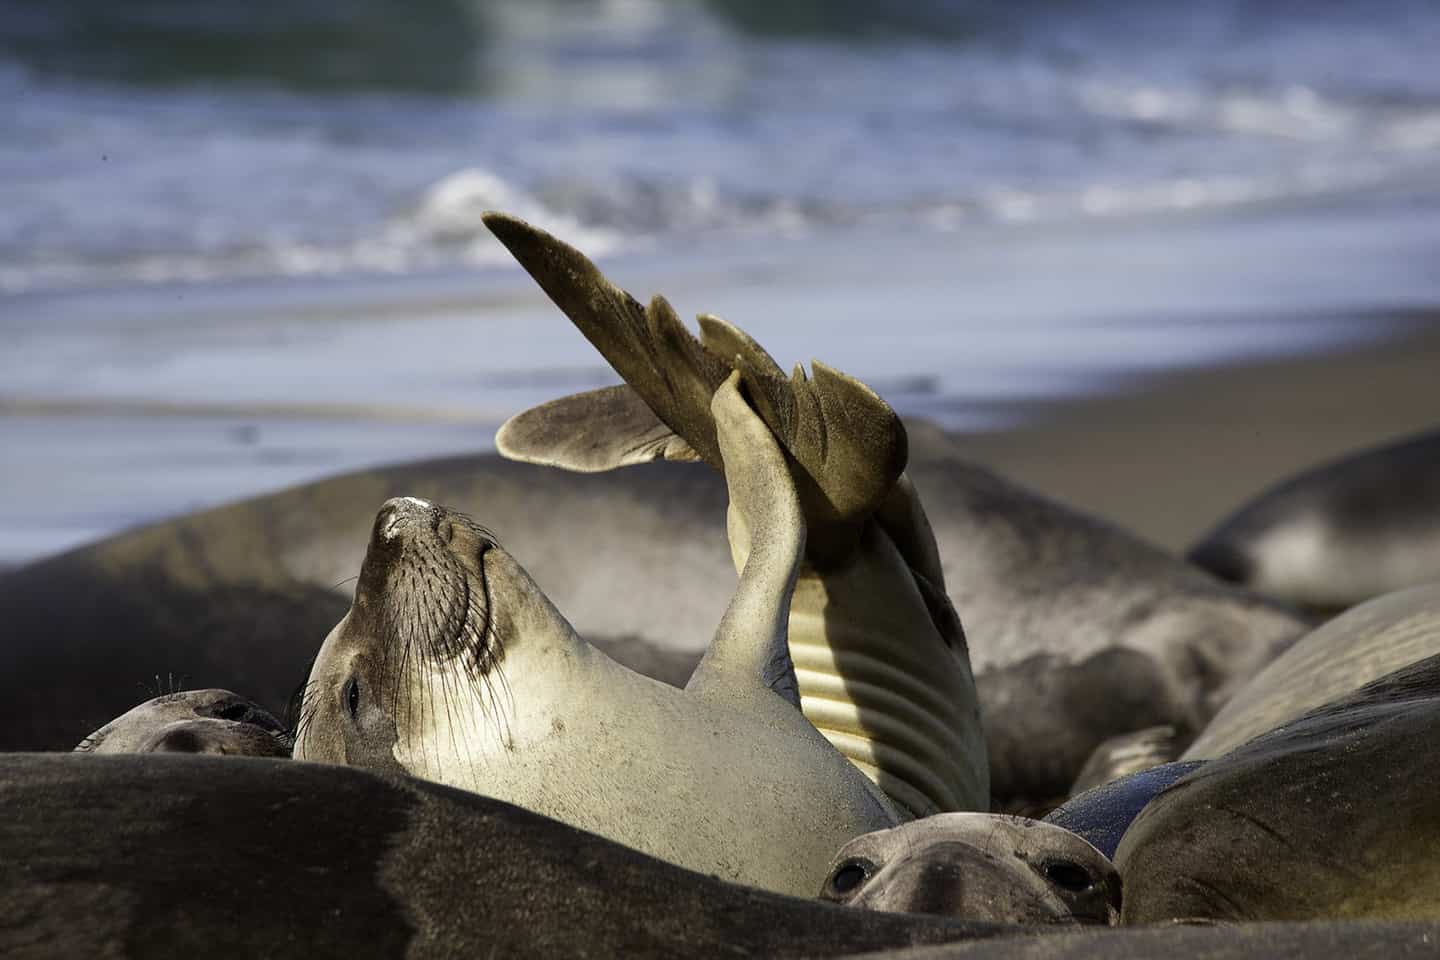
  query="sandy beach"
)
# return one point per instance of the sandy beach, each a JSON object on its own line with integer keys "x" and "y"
{"x": 1167, "y": 456}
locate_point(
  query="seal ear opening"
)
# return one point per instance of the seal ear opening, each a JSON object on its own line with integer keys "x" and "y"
{"x": 591, "y": 432}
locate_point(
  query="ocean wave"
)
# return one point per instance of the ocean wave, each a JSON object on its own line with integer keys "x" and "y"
{"x": 442, "y": 228}
{"x": 627, "y": 123}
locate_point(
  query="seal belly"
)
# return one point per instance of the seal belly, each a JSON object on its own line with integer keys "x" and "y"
{"x": 880, "y": 683}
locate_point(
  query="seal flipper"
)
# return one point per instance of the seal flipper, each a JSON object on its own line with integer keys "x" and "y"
{"x": 591, "y": 432}
{"x": 752, "y": 639}
{"x": 846, "y": 443}
{"x": 648, "y": 346}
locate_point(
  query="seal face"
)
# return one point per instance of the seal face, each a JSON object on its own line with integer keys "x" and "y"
{"x": 425, "y": 592}
{"x": 980, "y": 867}
{"x": 193, "y": 721}
{"x": 453, "y": 666}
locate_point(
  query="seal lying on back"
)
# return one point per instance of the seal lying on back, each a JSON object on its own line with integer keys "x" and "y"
{"x": 879, "y": 653}
{"x": 1100, "y": 636}
{"x": 193, "y": 721}
{"x": 977, "y": 866}
{"x": 453, "y": 666}
{"x": 1339, "y": 533}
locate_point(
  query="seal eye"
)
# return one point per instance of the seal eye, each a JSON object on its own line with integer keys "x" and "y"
{"x": 1067, "y": 875}
{"x": 848, "y": 877}
{"x": 352, "y": 698}
{"x": 236, "y": 712}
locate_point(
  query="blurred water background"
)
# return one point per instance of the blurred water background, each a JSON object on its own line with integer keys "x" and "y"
{"x": 240, "y": 243}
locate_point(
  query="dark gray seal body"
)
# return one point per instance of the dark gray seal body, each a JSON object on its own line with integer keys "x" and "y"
{"x": 1331, "y": 816}
{"x": 193, "y": 721}
{"x": 284, "y": 859}
{"x": 281, "y": 859}
{"x": 1338, "y": 533}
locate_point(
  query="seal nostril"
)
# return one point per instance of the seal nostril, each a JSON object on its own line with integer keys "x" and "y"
{"x": 445, "y": 529}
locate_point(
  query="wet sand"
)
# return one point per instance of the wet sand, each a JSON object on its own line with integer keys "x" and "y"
{"x": 1170, "y": 455}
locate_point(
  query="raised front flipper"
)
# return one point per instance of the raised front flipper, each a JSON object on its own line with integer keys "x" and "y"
{"x": 591, "y": 432}
{"x": 886, "y": 676}
{"x": 750, "y": 642}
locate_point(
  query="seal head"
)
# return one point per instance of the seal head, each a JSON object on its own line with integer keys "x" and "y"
{"x": 193, "y": 721}
{"x": 980, "y": 867}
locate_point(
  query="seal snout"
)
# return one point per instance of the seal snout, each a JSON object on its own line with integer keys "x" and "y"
{"x": 399, "y": 514}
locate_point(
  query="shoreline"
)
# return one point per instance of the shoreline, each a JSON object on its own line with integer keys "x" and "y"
{"x": 1165, "y": 455}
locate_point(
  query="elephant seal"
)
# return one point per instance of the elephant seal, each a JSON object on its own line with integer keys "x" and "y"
{"x": 1337, "y": 658}
{"x": 977, "y": 866}
{"x": 452, "y": 665}
{"x": 193, "y": 721}
{"x": 879, "y": 654}
{"x": 161, "y": 856}
{"x": 1339, "y": 533}
{"x": 1331, "y": 816}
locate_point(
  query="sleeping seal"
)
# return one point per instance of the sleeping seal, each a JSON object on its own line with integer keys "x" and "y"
{"x": 977, "y": 866}
{"x": 1330, "y": 816}
{"x": 193, "y": 721}
{"x": 1338, "y": 533}
{"x": 453, "y": 666}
